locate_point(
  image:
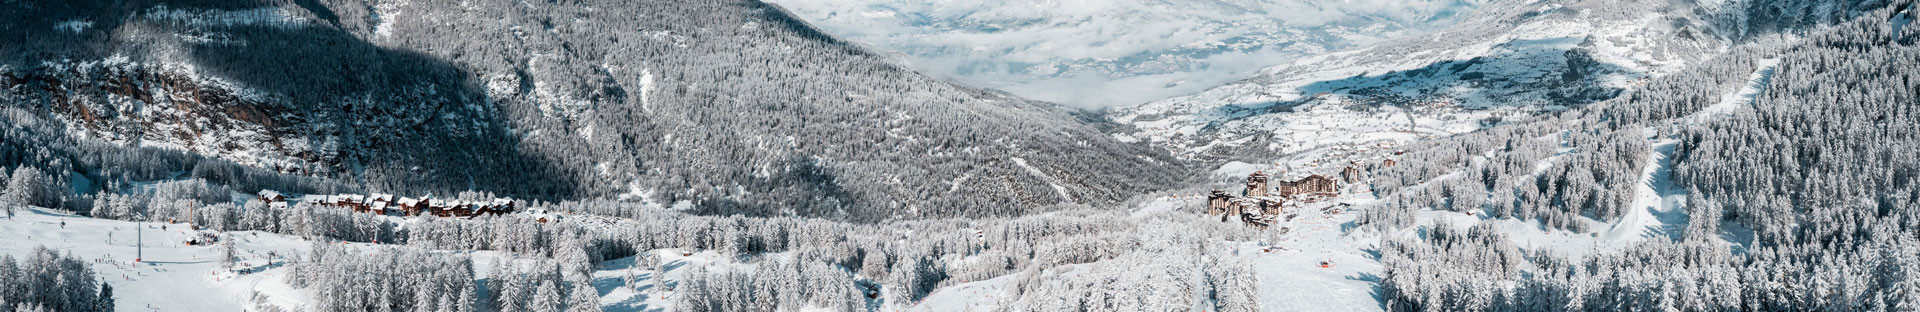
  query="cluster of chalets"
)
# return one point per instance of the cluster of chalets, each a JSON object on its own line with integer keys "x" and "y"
{"x": 389, "y": 205}
{"x": 1262, "y": 205}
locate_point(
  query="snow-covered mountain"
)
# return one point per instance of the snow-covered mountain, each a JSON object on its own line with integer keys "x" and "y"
{"x": 1515, "y": 58}
{"x": 1692, "y": 156}
{"x": 730, "y": 106}
{"x": 1114, "y": 53}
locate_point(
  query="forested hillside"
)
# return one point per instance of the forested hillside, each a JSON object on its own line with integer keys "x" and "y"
{"x": 1511, "y": 60}
{"x": 1790, "y": 158}
{"x": 731, "y": 106}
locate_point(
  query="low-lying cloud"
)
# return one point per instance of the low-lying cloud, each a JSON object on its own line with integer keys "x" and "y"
{"x": 1106, "y": 53}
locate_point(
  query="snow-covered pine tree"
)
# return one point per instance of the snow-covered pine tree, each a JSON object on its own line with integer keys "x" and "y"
{"x": 874, "y": 262}
{"x": 105, "y": 301}
{"x": 629, "y": 278}
{"x": 227, "y": 257}
{"x": 546, "y": 298}
{"x": 26, "y": 187}
{"x": 467, "y": 301}
{"x": 1235, "y": 288}
{"x": 102, "y": 207}
{"x": 511, "y": 292}
{"x": 572, "y": 255}
{"x": 583, "y": 298}
{"x": 425, "y": 302}
{"x": 659, "y": 277}
{"x": 128, "y": 206}
{"x": 47, "y": 280}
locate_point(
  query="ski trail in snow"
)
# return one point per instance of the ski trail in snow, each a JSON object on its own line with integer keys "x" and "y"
{"x": 1657, "y": 209}
{"x": 646, "y": 88}
{"x": 1043, "y": 175}
{"x": 1900, "y": 23}
{"x": 1742, "y": 97}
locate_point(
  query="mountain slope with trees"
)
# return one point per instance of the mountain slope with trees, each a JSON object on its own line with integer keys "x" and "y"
{"x": 1799, "y": 198}
{"x": 1511, "y": 60}
{"x": 730, "y": 106}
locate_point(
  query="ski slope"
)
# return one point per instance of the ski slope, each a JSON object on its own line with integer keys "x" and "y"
{"x": 172, "y": 276}
{"x": 1741, "y": 97}
{"x": 1287, "y": 267}
{"x": 1291, "y": 278}
{"x": 1658, "y": 209}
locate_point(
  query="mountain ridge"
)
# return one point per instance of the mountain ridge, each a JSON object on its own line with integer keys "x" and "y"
{"x": 732, "y": 107}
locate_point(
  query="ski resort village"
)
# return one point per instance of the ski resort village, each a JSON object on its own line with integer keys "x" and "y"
{"x": 959, "y": 155}
{"x": 388, "y": 205}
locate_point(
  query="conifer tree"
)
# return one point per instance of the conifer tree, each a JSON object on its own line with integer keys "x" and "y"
{"x": 546, "y": 298}
{"x": 227, "y": 257}
{"x": 584, "y": 298}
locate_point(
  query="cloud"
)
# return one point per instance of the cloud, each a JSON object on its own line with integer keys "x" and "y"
{"x": 1104, "y": 53}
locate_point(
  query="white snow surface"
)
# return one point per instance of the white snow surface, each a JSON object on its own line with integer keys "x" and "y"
{"x": 263, "y": 16}
{"x": 1288, "y": 268}
{"x": 1447, "y": 82}
{"x": 1055, "y": 183}
{"x": 1658, "y": 206}
{"x": 1899, "y": 23}
{"x": 1742, "y": 97}
{"x": 172, "y": 276}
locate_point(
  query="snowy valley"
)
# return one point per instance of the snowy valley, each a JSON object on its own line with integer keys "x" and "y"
{"x": 1514, "y": 155}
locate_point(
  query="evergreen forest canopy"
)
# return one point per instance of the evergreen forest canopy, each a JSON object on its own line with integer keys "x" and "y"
{"x": 731, "y": 106}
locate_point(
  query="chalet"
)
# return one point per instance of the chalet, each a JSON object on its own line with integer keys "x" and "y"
{"x": 387, "y": 204}
{"x": 1259, "y": 209}
{"x": 1233, "y": 210}
{"x": 1313, "y": 184}
{"x": 1388, "y": 162}
{"x": 1260, "y": 213}
{"x": 1257, "y": 184}
{"x": 357, "y": 201}
{"x": 1351, "y": 174}
{"x": 271, "y": 196}
{"x": 471, "y": 209}
{"x": 440, "y": 208}
{"x": 381, "y": 204}
{"x": 501, "y": 206}
{"x": 379, "y": 208}
{"x": 410, "y": 206}
{"x": 1217, "y": 202}
{"x": 461, "y": 208}
{"x": 1271, "y": 207}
